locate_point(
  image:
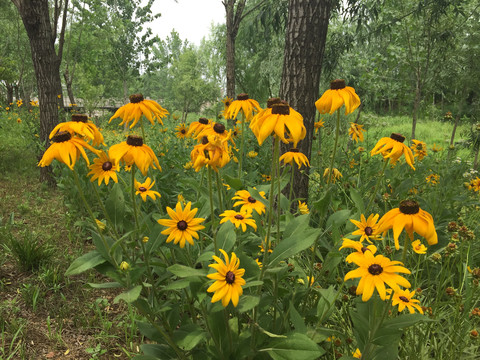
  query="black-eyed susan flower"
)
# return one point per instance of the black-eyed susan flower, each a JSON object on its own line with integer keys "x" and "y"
{"x": 281, "y": 119}
{"x": 319, "y": 124}
{"x": 239, "y": 218}
{"x": 294, "y": 155}
{"x": 182, "y": 225}
{"x": 336, "y": 175}
{"x": 244, "y": 104}
{"x": 19, "y": 121}
{"x": 358, "y": 246}
{"x": 303, "y": 208}
{"x": 336, "y": 96}
{"x": 403, "y": 298}
{"x": 367, "y": 228}
{"x": 134, "y": 151}
{"x": 197, "y": 126}
{"x": 228, "y": 279}
{"x": 412, "y": 218}
{"x": 138, "y": 106}
{"x": 248, "y": 203}
{"x": 432, "y": 179}
{"x": 212, "y": 151}
{"x": 181, "y": 131}
{"x": 145, "y": 189}
{"x": 252, "y": 154}
{"x": 357, "y": 354}
{"x": 66, "y": 149}
{"x": 418, "y": 247}
{"x": 356, "y": 132}
{"x": 227, "y": 101}
{"x": 104, "y": 168}
{"x": 376, "y": 271}
{"x": 81, "y": 126}
{"x": 419, "y": 149}
{"x": 392, "y": 148}
{"x": 436, "y": 148}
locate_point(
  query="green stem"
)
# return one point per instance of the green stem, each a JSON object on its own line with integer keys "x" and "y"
{"x": 212, "y": 212}
{"x": 105, "y": 213}
{"x": 229, "y": 331}
{"x": 337, "y": 135}
{"x": 374, "y": 194}
{"x": 134, "y": 203}
{"x": 242, "y": 145}
{"x": 405, "y": 247}
{"x": 220, "y": 192}
{"x": 143, "y": 131}
{"x": 292, "y": 172}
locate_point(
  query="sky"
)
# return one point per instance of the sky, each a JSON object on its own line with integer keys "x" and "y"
{"x": 192, "y": 19}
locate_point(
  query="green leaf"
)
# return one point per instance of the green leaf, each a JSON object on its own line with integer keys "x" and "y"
{"x": 358, "y": 200}
{"x": 226, "y": 236}
{"x": 325, "y": 303}
{"x": 188, "y": 336}
{"x": 299, "y": 241}
{"x": 338, "y": 218}
{"x": 178, "y": 285}
{"x": 235, "y": 183}
{"x": 115, "y": 205}
{"x": 85, "y": 262}
{"x": 109, "y": 285}
{"x": 185, "y": 271}
{"x": 295, "y": 347}
{"x": 247, "y": 302}
{"x": 129, "y": 296}
{"x": 405, "y": 320}
{"x": 297, "y": 320}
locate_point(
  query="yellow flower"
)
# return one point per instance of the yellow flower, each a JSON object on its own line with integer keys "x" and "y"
{"x": 252, "y": 154}
{"x": 336, "y": 96}
{"x": 81, "y": 126}
{"x": 213, "y": 149}
{"x": 294, "y": 155}
{"x": 135, "y": 151}
{"x": 392, "y": 148}
{"x": 367, "y": 228}
{"x": 100, "y": 224}
{"x": 104, "y": 168}
{"x": 357, "y": 245}
{"x": 403, "y": 298}
{"x": 197, "y": 126}
{"x": 436, "y": 148}
{"x": 311, "y": 281}
{"x": 181, "y": 131}
{"x": 138, "y": 106}
{"x": 303, "y": 208}
{"x": 262, "y": 249}
{"x": 248, "y": 203}
{"x": 226, "y": 104}
{"x": 419, "y": 149}
{"x": 356, "y": 131}
{"x": 376, "y": 271}
{"x": 319, "y": 124}
{"x": 188, "y": 165}
{"x": 228, "y": 279}
{"x": 259, "y": 263}
{"x": 242, "y": 218}
{"x": 280, "y": 119}
{"x": 182, "y": 226}
{"x": 409, "y": 216}
{"x": 66, "y": 149}
{"x": 247, "y": 106}
{"x": 336, "y": 175}
{"x": 19, "y": 120}
{"x": 266, "y": 178}
{"x": 19, "y": 102}
{"x": 124, "y": 266}
{"x": 418, "y": 247}
{"x": 433, "y": 179}
{"x": 144, "y": 189}
{"x": 357, "y": 354}
{"x": 361, "y": 149}
{"x": 352, "y": 163}
{"x": 145, "y": 239}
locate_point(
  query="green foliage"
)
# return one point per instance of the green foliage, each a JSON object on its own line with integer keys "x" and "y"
{"x": 29, "y": 252}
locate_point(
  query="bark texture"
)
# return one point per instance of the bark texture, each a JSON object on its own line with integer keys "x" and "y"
{"x": 304, "y": 47}
{"x": 36, "y": 19}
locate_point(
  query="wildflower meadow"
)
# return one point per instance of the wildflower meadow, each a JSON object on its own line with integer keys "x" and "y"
{"x": 184, "y": 236}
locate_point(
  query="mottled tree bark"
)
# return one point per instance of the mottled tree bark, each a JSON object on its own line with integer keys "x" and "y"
{"x": 304, "y": 47}
{"x": 36, "y": 19}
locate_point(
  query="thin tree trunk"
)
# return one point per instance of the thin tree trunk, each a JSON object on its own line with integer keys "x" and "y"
{"x": 416, "y": 105}
{"x": 9, "y": 92}
{"x": 304, "y": 47}
{"x": 457, "y": 118}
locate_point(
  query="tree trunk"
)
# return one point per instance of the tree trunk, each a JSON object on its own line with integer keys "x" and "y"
{"x": 230, "y": 72}
{"x": 36, "y": 19}
{"x": 9, "y": 93}
{"x": 304, "y": 46}
{"x": 457, "y": 119}
{"x": 416, "y": 105}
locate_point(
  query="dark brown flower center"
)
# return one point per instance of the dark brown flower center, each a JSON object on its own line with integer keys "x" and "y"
{"x": 239, "y": 217}
{"x": 136, "y": 98}
{"x": 134, "y": 140}
{"x": 409, "y": 207}
{"x": 281, "y": 109}
{"x": 397, "y": 137}
{"x": 219, "y": 128}
{"x": 142, "y": 189}
{"x": 230, "y": 277}
{"x": 294, "y": 150}
{"x": 107, "y": 165}
{"x": 203, "y": 121}
{"x": 403, "y": 298}
{"x": 204, "y": 140}
{"x": 242, "y": 96}
{"x": 368, "y": 231}
{"x": 272, "y": 101}
{"x": 375, "y": 269}
{"x": 182, "y": 225}
{"x": 80, "y": 118}
{"x": 62, "y": 136}
{"x": 183, "y": 131}
{"x": 251, "y": 200}
{"x": 419, "y": 147}
{"x": 364, "y": 249}
{"x": 337, "y": 84}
